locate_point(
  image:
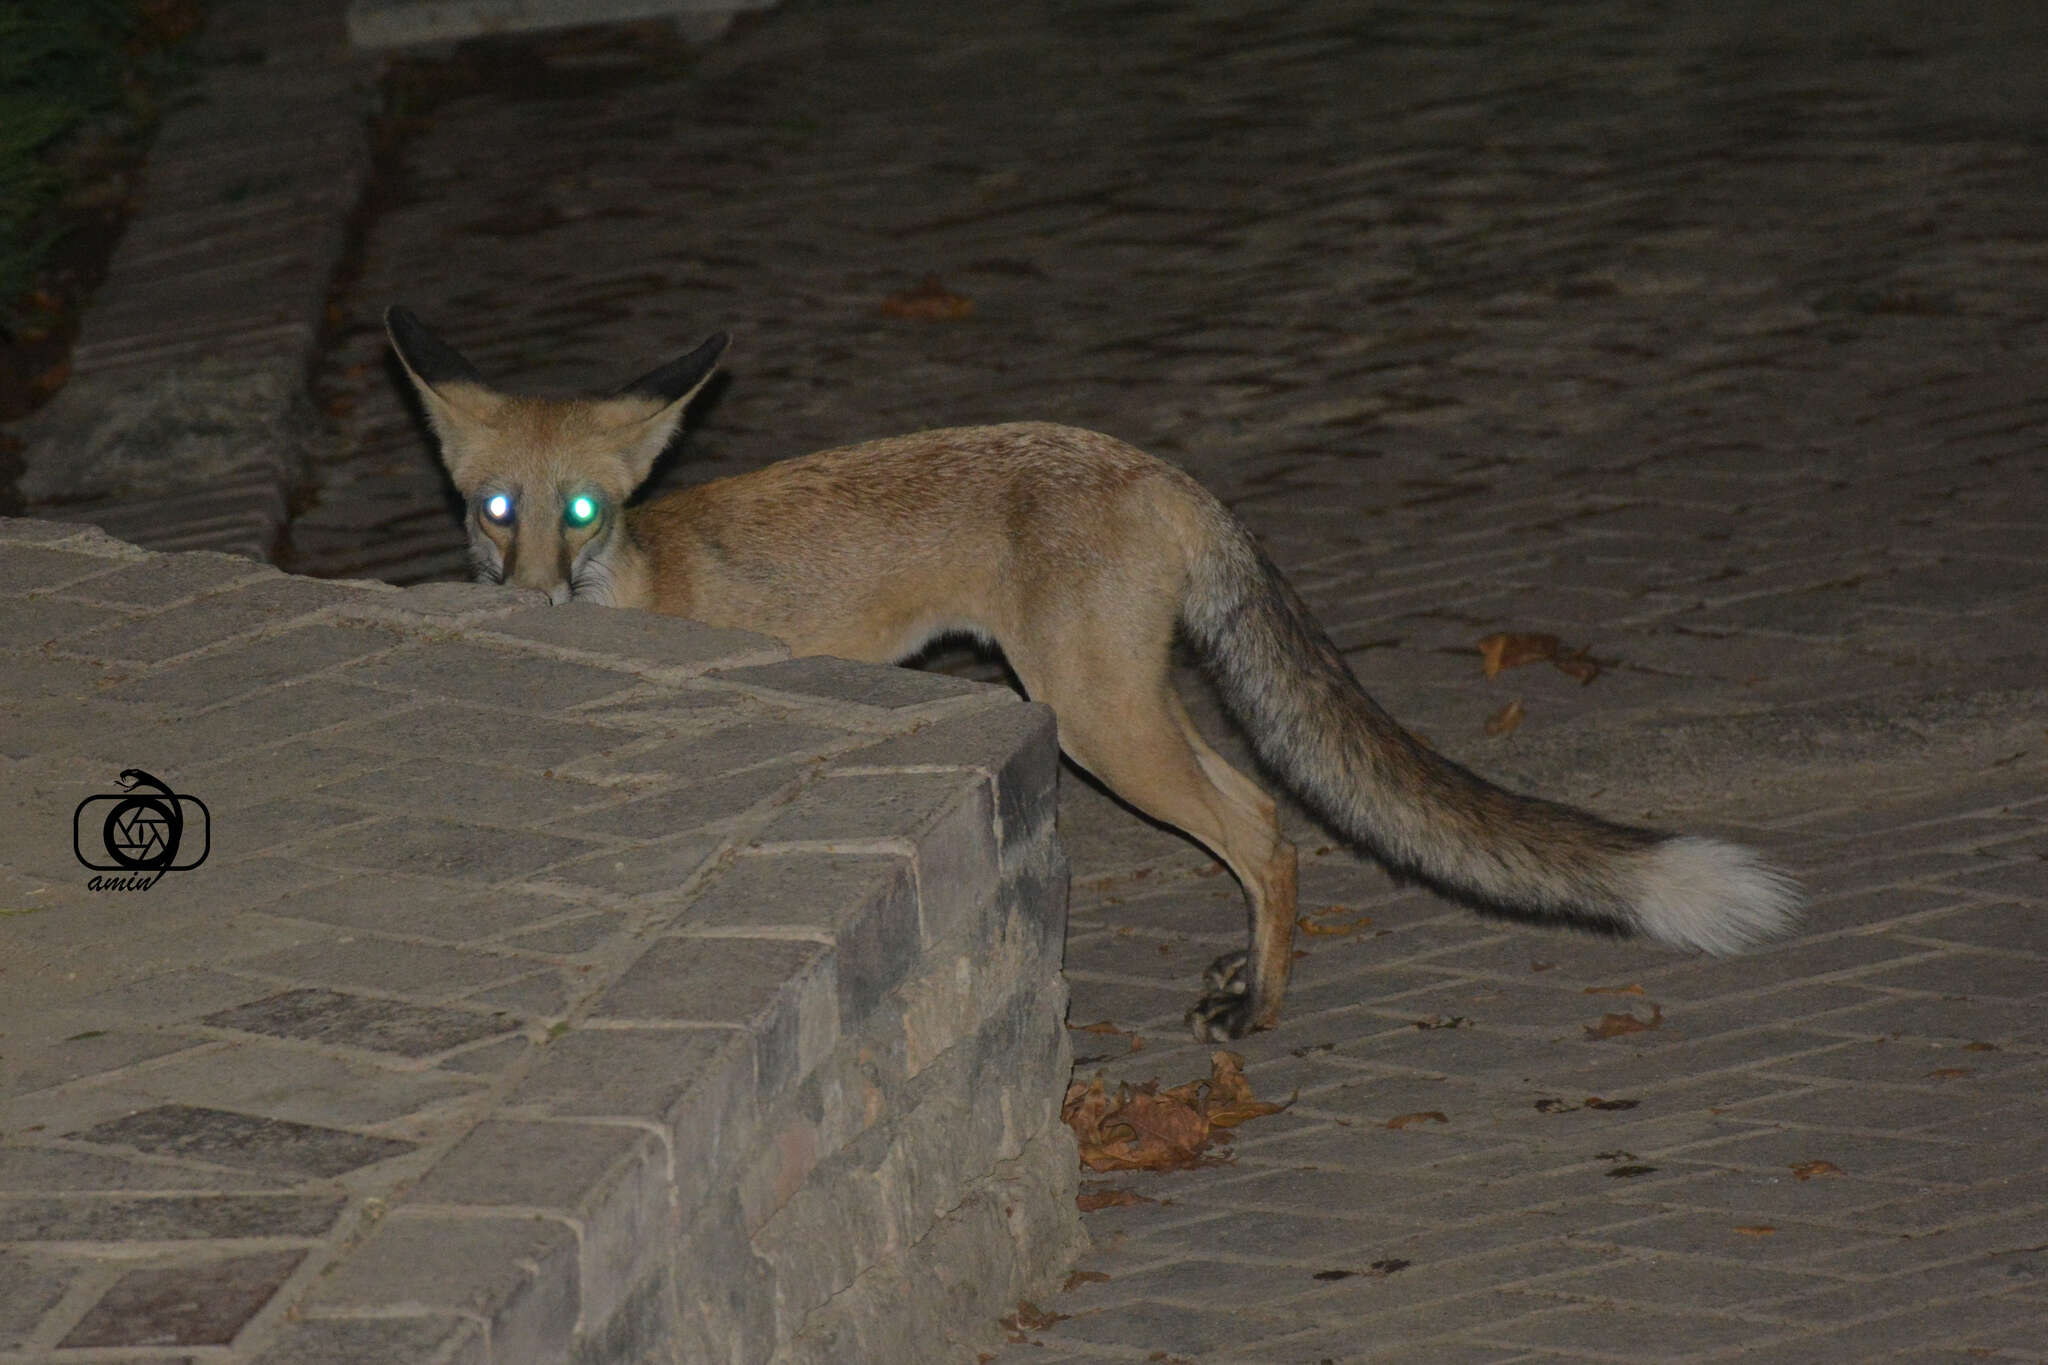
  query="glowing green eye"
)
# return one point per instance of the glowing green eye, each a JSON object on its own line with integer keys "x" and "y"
{"x": 498, "y": 509}
{"x": 581, "y": 511}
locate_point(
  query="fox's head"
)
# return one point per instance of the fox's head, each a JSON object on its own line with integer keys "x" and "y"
{"x": 546, "y": 479}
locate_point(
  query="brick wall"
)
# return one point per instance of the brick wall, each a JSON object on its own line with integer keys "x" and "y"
{"x": 561, "y": 984}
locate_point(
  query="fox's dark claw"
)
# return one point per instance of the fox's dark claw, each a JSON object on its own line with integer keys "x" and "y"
{"x": 1225, "y": 1010}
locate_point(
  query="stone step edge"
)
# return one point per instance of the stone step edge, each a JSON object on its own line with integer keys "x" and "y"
{"x": 408, "y": 23}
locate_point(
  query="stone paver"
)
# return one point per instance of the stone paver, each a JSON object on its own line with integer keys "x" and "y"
{"x": 1706, "y": 339}
{"x": 396, "y": 23}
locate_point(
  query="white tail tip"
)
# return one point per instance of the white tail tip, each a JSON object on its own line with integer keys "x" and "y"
{"x": 1715, "y": 897}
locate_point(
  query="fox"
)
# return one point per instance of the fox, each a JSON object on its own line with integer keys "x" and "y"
{"x": 1081, "y": 559}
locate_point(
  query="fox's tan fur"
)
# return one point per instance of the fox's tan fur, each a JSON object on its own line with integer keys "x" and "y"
{"x": 1080, "y": 557}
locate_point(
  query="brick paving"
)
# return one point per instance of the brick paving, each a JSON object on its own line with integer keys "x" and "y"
{"x": 1709, "y": 340}
{"x": 1706, "y": 348}
{"x": 1711, "y": 344}
{"x": 1827, "y": 1151}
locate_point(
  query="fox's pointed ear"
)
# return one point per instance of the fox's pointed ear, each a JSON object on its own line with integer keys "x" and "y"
{"x": 431, "y": 361}
{"x": 451, "y": 392}
{"x": 678, "y": 380}
{"x": 671, "y": 387}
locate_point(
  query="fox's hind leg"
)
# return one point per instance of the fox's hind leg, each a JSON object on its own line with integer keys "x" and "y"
{"x": 1129, "y": 728}
{"x": 1257, "y": 978}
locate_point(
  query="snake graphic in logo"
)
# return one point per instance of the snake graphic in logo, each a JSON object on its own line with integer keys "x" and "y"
{"x": 147, "y": 831}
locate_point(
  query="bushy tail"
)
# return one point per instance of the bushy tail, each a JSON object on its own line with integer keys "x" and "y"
{"x": 1426, "y": 816}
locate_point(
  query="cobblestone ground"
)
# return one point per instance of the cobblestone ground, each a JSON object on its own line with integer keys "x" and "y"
{"x": 1709, "y": 339}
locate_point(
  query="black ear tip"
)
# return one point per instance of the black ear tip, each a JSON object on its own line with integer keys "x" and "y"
{"x": 431, "y": 359}
{"x": 681, "y": 375}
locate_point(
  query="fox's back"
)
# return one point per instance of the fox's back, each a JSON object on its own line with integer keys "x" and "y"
{"x": 956, "y": 520}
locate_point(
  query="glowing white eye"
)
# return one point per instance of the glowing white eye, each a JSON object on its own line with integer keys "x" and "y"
{"x": 498, "y": 509}
{"x": 581, "y": 511}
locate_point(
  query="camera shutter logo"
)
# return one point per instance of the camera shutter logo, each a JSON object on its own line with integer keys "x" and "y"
{"x": 144, "y": 833}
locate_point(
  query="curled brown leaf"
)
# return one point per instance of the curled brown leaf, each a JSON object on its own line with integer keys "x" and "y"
{"x": 1088, "y": 1201}
{"x": 930, "y": 301}
{"x": 1579, "y": 664}
{"x": 1144, "y": 1128}
{"x": 1029, "y": 1317}
{"x": 1615, "y": 1025}
{"x": 1230, "y": 1100}
{"x": 1507, "y": 720}
{"x": 1512, "y": 649}
{"x": 1334, "y": 920}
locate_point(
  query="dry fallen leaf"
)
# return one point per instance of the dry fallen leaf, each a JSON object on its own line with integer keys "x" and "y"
{"x": 1507, "y": 720}
{"x": 1081, "y": 1277}
{"x": 1105, "y": 1027}
{"x": 1400, "y": 1121}
{"x": 1807, "y": 1170}
{"x": 1088, "y": 1201}
{"x": 1512, "y": 649}
{"x": 1144, "y": 1128}
{"x": 1136, "y": 1130}
{"x": 930, "y": 301}
{"x": 1330, "y": 921}
{"x": 1756, "y": 1230}
{"x": 1029, "y": 1317}
{"x": 1615, "y": 1025}
{"x": 1230, "y": 1100}
{"x": 1580, "y": 665}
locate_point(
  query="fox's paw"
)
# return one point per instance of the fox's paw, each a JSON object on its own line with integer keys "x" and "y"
{"x": 1225, "y": 1009}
